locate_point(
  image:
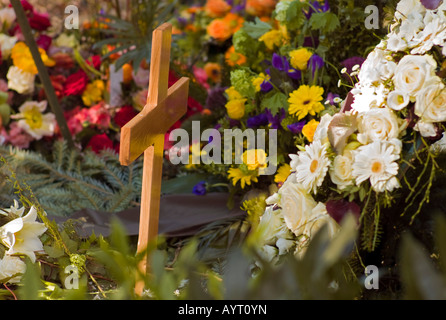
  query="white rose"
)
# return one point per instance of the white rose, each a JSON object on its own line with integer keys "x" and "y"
{"x": 378, "y": 124}
{"x": 7, "y": 17}
{"x": 413, "y": 72}
{"x": 20, "y": 81}
{"x": 284, "y": 245}
{"x": 426, "y": 129}
{"x": 368, "y": 97}
{"x": 321, "y": 130}
{"x": 431, "y": 103}
{"x": 9, "y": 266}
{"x": 269, "y": 253}
{"x": 6, "y": 45}
{"x": 397, "y": 100}
{"x": 341, "y": 172}
{"x": 296, "y": 206}
{"x": 320, "y": 217}
{"x": 271, "y": 226}
{"x": 396, "y": 43}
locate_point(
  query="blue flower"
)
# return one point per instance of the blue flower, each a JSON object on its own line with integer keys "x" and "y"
{"x": 315, "y": 63}
{"x": 281, "y": 63}
{"x": 200, "y": 188}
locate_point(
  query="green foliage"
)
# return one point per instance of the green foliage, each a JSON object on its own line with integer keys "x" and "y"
{"x": 134, "y": 37}
{"x": 256, "y": 28}
{"x": 68, "y": 180}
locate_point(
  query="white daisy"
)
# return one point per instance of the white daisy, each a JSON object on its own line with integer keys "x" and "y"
{"x": 376, "y": 161}
{"x": 313, "y": 166}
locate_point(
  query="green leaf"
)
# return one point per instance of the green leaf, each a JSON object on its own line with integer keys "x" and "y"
{"x": 294, "y": 15}
{"x": 325, "y": 21}
{"x": 31, "y": 282}
{"x": 275, "y": 102}
{"x": 420, "y": 279}
{"x": 257, "y": 28}
{"x": 54, "y": 251}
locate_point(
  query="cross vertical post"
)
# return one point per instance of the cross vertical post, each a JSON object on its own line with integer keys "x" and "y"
{"x": 145, "y": 134}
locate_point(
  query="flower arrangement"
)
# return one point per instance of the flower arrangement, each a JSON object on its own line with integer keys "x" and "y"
{"x": 380, "y": 152}
{"x": 264, "y": 69}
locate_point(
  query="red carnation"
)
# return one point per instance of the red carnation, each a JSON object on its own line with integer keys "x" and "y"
{"x": 44, "y": 42}
{"x": 124, "y": 115}
{"x": 76, "y": 83}
{"x": 100, "y": 142}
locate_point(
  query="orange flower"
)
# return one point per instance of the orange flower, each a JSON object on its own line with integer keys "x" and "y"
{"x": 216, "y": 8}
{"x": 194, "y": 9}
{"x": 127, "y": 73}
{"x": 219, "y": 30}
{"x": 234, "y": 21}
{"x": 213, "y": 71}
{"x": 234, "y": 58}
{"x": 260, "y": 8}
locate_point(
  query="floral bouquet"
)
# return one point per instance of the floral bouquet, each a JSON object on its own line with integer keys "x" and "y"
{"x": 272, "y": 76}
{"x": 379, "y": 156}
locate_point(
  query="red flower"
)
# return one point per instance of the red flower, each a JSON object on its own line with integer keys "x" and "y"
{"x": 38, "y": 21}
{"x": 94, "y": 61}
{"x": 76, "y": 83}
{"x": 338, "y": 209}
{"x": 58, "y": 84}
{"x": 100, "y": 142}
{"x": 44, "y": 41}
{"x": 124, "y": 115}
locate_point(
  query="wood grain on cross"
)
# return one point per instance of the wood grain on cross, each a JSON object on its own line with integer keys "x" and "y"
{"x": 145, "y": 133}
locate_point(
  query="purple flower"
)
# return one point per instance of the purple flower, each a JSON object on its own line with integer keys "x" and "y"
{"x": 315, "y": 63}
{"x": 296, "y": 127}
{"x": 200, "y": 188}
{"x": 281, "y": 63}
{"x": 317, "y": 8}
{"x": 331, "y": 96}
{"x": 352, "y": 61}
{"x": 257, "y": 121}
{"x": 266, "y": 86}
{"x": 275, "y": 121}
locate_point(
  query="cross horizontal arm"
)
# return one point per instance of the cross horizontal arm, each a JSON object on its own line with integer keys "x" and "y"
{"x": 144, "y": 129}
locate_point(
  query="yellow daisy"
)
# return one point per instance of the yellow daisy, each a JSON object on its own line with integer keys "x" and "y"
{"x": 306, "y": 100}
{"x": 237, "y": 174}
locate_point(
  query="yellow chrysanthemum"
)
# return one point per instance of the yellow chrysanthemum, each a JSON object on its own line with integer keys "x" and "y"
{"x": 236, "y": 174}
{"x": 282, "y": 173}
{"x": 93, "y": 92}
{"x": 22, "y": 58}
{"x": 259, "y": 80}
{"x": 309, "y": 129}
{"x": 236, "y": 108}
{"x": 306, "y": 100}
{"x": 254, "y": 159}
{"x": 299, "y": 58}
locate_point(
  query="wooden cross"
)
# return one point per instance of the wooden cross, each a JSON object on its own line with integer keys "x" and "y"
{"x": 145, "y": 134}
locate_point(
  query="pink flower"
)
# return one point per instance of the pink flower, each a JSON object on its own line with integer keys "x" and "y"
{"x": 99, "y": 115}
{"x": 201, "y": 76}
{"x": 18, "y": 137}
{"x": 76, "y": 118}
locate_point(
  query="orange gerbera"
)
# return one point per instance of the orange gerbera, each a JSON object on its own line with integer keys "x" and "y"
{"x": 216, "y": 8}
{"x": 234, "y": 21}
{"x": 213, "y": 71}
{"x": 234, "y": 58}
{"x": 219, "y": 30}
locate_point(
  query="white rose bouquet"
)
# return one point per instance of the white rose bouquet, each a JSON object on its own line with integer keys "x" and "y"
{"x": 363, "y": 159}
